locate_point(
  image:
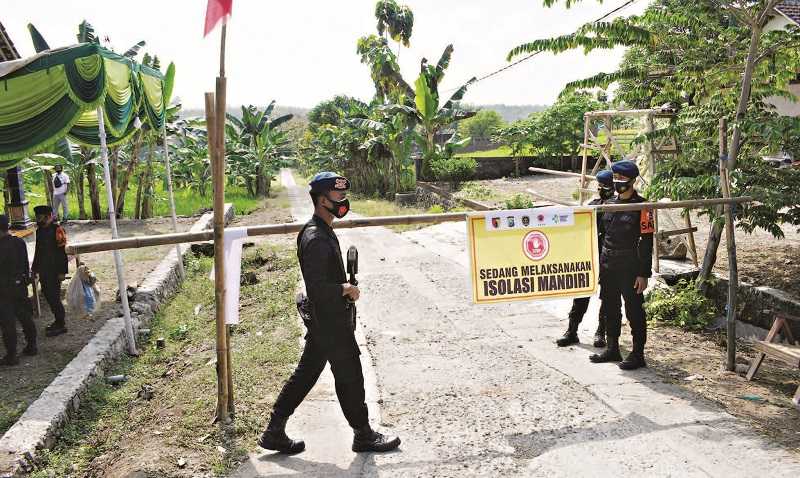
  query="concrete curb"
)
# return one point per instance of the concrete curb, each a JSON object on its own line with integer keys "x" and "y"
{"x": 44, "y": 419}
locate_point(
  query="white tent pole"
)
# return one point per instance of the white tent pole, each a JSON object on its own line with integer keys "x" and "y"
{"x": 112, "y": 214}
{"x": 172, "y": 199}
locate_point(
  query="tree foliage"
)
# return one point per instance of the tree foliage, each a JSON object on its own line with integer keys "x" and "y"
{"x": 482, "y": 125}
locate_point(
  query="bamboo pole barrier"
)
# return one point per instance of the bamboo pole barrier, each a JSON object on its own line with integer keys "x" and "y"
{"x": 123, "y": 286}
{"x": 561, "y": 173}
{"x": 555, "y": 201}
{"x": 290, "y": 228}
{"x": 181, "y": 272}
{"x": 692, "y": 245}
{"x": 730, "y": 240}
{"x": 584, "y": 160}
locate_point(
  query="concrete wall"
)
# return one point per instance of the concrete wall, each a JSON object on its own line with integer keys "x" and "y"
{"x": 494, "y": 168}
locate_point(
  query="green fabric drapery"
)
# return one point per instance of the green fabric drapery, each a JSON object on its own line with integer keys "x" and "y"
{"x": 56, "y": 94}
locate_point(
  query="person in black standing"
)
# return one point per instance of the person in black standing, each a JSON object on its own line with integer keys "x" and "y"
{"x": 331, "y": 328}
{"x": 625, "y": 265}
{"x": 14, "y": 303}
{"x": 605, "y": 189}
{"x": 50, "y": 265}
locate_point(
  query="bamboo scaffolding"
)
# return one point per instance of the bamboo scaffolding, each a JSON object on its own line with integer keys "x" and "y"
{"x": 273, "y": 229}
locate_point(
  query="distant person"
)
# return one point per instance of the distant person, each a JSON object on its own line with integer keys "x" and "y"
{"x": 331, "y": 328}
{"x": 60, "y": 191}
{"x": 14, "y": 303}
{"x": 605, "y": 191}
{"x": 50, "y": 265}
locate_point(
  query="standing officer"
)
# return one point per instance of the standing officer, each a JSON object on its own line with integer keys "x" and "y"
{"x": 605, "y": 189}
{"x": 50, "y": 265}
{"x": 331, "y": 335}
{"x": 14, "y": 302}
{"x": 625, "y": 265}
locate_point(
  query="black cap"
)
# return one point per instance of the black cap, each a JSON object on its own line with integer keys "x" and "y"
{"x": 328, "y": 181}
{"x": 42, "y": 210}
{"x": 4, "y": 222}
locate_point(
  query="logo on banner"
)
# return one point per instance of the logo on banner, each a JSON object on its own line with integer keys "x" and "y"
{"x": 535, "y": 245}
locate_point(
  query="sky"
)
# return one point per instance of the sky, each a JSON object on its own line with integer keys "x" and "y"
{"x": 300, "y": 52}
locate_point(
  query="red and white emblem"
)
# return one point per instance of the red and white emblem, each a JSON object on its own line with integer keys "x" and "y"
{"x": 535, "y": 245}
{"x": 341, "y": 183}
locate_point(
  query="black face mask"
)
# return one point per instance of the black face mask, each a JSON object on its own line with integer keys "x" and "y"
{"x": 605, "y": 193}
{"x": 622, "y": 186}
{"x": 340, "y": 208}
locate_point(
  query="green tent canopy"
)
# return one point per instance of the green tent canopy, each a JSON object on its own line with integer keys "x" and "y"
{"x": 56, "y": 94}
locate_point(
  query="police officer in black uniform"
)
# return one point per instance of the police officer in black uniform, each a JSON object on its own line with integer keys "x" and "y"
{"x": 331, "y": 328}
{"x": 605, "y": 189}
{"x": 625, "y": 265}
{"x": 14, "y": 303}
{"x": 50, "y": 265}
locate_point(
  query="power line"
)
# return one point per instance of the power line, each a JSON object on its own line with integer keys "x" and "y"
{"x": 511, "y": 65}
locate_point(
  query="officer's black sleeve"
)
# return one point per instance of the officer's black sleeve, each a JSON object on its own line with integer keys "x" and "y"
{"x": 23, "y": 267}
{"x": 321, "y": 289}
{"x": 646, "y": 255}
{"x": 37, "y": 255}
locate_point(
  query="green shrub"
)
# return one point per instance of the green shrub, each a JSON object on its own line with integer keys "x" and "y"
{"x": 454, "y": 170}
{"x": 683, "y": 306}
{"x": 519, "y": 201}
{"x": 436, "y": 209}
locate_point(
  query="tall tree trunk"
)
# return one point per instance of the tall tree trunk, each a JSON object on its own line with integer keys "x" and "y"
{"x": 123, "y": 185}
{"x": 715, "y": 235}
{"x": 262, "y": 185}
{"x": 79, "y": 192}
{"x": 94, "y": 192}
{"x": 147, "y": 187}
{"x": 114, "y": 167}
{"x": 48, "y": 187}
{"x": 137, "y": 213}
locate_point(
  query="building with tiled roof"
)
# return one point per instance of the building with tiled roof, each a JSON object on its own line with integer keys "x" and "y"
{"x": 790, "y": 9}
{"x": 787, "y": 14}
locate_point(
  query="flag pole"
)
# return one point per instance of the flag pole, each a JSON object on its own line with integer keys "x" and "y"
{"x": 224, "y": 379}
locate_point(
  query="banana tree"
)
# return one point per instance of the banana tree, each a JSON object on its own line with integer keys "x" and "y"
{"x": 261, "y": 148}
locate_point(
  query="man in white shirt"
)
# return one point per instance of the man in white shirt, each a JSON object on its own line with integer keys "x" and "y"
{"x": 60, "y": 190}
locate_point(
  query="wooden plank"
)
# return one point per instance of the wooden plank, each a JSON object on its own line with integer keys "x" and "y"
{"x": 756, "y": 363}
{"x": 675, "y": 232}
{"x": 789, "y": 354}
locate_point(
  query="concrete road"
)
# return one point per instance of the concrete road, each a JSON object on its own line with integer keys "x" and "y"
{"x": 483, "y": 391}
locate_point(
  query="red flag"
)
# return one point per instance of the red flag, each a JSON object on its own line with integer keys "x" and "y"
{"x": 217, "y": 10}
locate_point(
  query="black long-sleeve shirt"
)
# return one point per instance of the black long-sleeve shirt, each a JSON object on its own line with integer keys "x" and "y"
{"x": 14, "y": 270}
{"x": 628, "y": 236}
{"x": 324, "y": 273}
{"x": 49, "y": 259}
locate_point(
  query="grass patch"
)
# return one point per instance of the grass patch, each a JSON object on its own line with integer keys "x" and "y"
{"x": 500, "y": 152}
{"x": 381, "y": 207}
{"x": 477, "y": 191}
{"x": 117, "y": 427}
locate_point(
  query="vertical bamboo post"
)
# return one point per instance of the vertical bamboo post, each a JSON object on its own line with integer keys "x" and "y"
{"x": 172, "y": 198}
{"x": 692, "y": 246}
{"x": 730, "y": 239}
{"x": 112, "y": 216}
{"x": 651, "y": 166}
{"x": 585, "y": 157}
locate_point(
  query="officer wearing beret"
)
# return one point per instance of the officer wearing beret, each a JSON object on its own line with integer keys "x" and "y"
{"x": 331, "y": 335}
{"x": 625, "y": 265}
{"x": 605, "y": 189}
{"x": 50, "y": 265}
{"x": 14, "y": 303}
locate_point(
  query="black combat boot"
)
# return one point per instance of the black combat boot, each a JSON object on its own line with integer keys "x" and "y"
{"x": 55, "y": 329}
{"x": 367, "y": 439}
{"x": 611, "y": 354}
{"x": 633, "y": 361}
{"x": 571, "y": 335}
{"x": 9, "y": 360}
{"x": 30, "y": 350}
{"x": 600, "y": 334}
{"x": 274, "y": 437}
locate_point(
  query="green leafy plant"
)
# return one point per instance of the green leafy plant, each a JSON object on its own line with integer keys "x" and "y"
{"x": 683, "y": 306}
{"x": 453, "y": 170}
{"x": 519, "y": 201}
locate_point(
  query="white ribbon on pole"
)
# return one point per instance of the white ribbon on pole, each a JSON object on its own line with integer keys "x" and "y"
{"x": 234, "y": 237}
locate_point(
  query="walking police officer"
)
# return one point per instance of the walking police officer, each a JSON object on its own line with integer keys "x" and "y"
{"x": 331, "y": 331}
{"x": 14, "y": 303}
{"x": 605, "y": 189}
{"x": 50, "y": 265}
{"x": 625, "y": 265}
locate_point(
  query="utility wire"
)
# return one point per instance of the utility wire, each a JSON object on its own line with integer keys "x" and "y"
{"x": 511, "y": 65}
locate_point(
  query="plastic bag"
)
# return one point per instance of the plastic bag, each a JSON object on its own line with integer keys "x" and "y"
{"x": 82, "y": 293}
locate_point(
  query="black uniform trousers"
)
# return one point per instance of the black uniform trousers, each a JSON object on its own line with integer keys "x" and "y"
{"x": 579, "y": 308}
{"x": 617, "y": 277}
{"x": 347, "y": 374}
{"x": 13, "y": 309}
{"x": 51, "y": 288}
